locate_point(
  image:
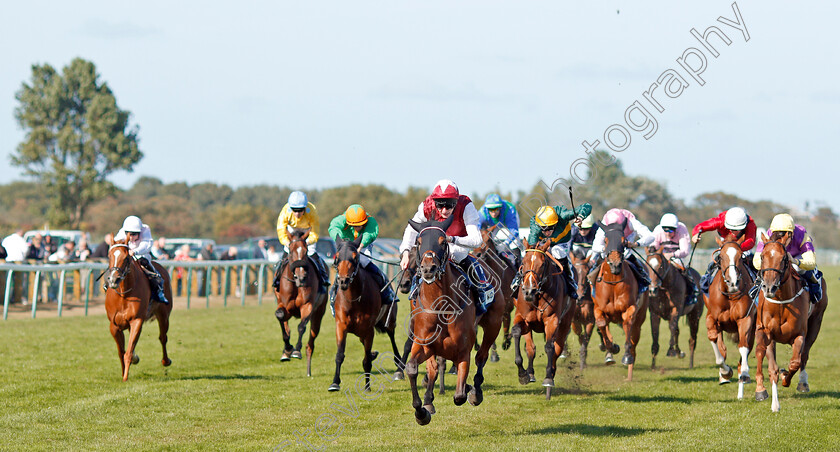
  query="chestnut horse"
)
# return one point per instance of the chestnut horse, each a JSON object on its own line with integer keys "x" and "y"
{"x": 542, "y": 305}
{"x": 786, "y": 315}
{"x": 359, "y": 310}
{"x": 442, "y": 321}
{"x": 617, "y": 298}
{"x": 128, "y": 304}
{"x": 584, "y": 321}
{"x": 666, "y": 300}
{"x": 297, "y": 296}
{"x": 730, "y": 309}
{"x": 501, "y": 274}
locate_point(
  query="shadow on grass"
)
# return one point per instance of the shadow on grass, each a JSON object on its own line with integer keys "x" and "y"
{"x": 537, "y": 389}
{"x": 597, "y": 430}
{"x": 684, "y": 379}
{"x": 225, "y": 377}
{"x": 647, "y": 399}
{"x": 815, "y": 394}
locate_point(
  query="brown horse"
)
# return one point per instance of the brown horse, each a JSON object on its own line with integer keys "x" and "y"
{"x": 502, "y": 272}
{"x": 128, "y": 304}
{"x": 584, "y": 321}
{"x": 617, "y": 299}
{"x": 442, "y": 321}
{"x": 785, "y": 315}
{"x": 297, "y": 296}
{"x": 730, "y": 309}
{"x": 542, "y": 306}
{"x": 668, "y": 291}
{"x": 359, "y": 310}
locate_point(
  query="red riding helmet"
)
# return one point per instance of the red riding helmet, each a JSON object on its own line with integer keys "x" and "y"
{"x": 445, "y": 189}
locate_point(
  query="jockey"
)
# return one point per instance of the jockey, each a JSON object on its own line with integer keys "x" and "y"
{"x": 555, "y": 224}
{"x": 801, "y": 250}
{"x": 348, "y": 226}
{"x": 734, "y": 221}
{"x": 672, "y": 235}
{"x": 299, "y": 213}
{"x": 463, "y": 235}
{"x": 138, "y": 237}
{"x": 583, "y": 236}
{"x": 635, "y": 233}
{"x": 496, "y": 211}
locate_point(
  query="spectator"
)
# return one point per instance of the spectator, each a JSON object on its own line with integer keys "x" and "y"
{"x": 272, "y": 254}
{"x": 49, "y": 246}
{"x": 158, "y": 249}
{"x": 182, "y": 254}
{"x": 206, "y": 254}
{"x": 102, "y": 249}
{"x": 230, "y": 254}
{"x": 16, "y": 249}
{"x": 261, "y": 252}
{"x": 66, "y": 253}
{"x": 82, "y": 251}
{"x": 3, "y": 252}
{"x": 36, "y": 248}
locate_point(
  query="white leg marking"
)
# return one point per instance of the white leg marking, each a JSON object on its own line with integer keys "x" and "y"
{"x": 740, "y": 390}
{"x": 718, "y": 355}
{"x": 745, "y": 367}
{"x": 775, "y": 405}
{"x": 803, "y": 376}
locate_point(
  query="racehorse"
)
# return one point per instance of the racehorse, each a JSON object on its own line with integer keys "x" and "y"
{"x": 359, "y": 310}
{"x": 542, "y": 305}
{"x": 666, "y": 300}
{"x": 730, "y": 309}
{"x": 442, "y": 321}
{"x": 617, "y": 299}
{"x": 584, "y": 321}
{"x": 785, "y": 315}
{"x": 128, "y": 304}
{"x": 297, "y": 296}
{"x": 503, "y": 272}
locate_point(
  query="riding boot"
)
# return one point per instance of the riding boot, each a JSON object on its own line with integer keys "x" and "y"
{"x": 592, "y": 276}
{"x": 415, "y": 287}
{"x": 323, "y": 273}
{"x": 517, "y": 280}
{"x": 571, "y": 284}
{"x": 814, "y": 280}
{"x": 278, "y": 270}
{"x": 485, "y": 290}
{"x": 691, "y": 292}
{"x": 385, "y": 290}
{"x": 332, "y": 295}
{"x": 641, "y": 275}
{"x": 706, "y": 279}
{"x": 155, "y": 279}
{"x": 517, "y": 257}
{"x": 748, "y": 259}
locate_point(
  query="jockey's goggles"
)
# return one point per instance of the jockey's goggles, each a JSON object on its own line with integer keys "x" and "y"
{"x": 669, "y": 230}
{"x": 298, "y": 209}
{"x": 446, "y": 203}
{"x": 547, "y": 228}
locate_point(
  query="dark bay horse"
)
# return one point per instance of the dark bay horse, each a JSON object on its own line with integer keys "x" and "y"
{"x": 666, "y": 300}
{"x": 502, "y": 273}
{"x": 359, "y": 310}
{"x": 785, "y": 315}
{"x": 542, "y": 305}
{"x": 128, "y": 304}
{"x": 729, "y": 309}
{"x": 297, "y": 296}
{"x": 617, "y": 298}
{"x": 442, "y": 321}
{"x": 584, "y": 320}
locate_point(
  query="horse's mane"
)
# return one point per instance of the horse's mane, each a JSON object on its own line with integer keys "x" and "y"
{"x": 578, "y": 253}
{"x": 777, "y": 236}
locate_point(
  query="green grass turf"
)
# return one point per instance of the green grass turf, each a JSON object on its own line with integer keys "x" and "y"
{"x": 60, "y": 389}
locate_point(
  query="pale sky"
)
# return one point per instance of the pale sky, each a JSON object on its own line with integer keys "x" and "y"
{"x": 487, "y": 93}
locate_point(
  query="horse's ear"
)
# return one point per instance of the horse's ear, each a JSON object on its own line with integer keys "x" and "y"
{"x": 447, "y": 222}
{"x": 415, "y": 225}
{"x": 719, "y": 241}
{"x": 358, "y": 241}
{"x": 525, "y": 243}
{"x": 786, "y": 239}
{"x": 650, "y": 250}
{"x": 305, "y": 234}
{"x": 660, "y": 249}
{"x": 764, "y": 238}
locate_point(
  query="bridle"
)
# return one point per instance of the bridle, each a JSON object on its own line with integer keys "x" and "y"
{"x": 356, "y": 266}
{"x": 542, "y": 278}
{"x": 122, "y": 270}
{"x": 293, "y": 265}
{"x": 724, "y": 272}
{"x": 440, "y": 259}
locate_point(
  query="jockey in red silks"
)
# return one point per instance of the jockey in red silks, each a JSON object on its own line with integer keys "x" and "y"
{"x": 463, "y": 236}
{"x": 735, "y": 222}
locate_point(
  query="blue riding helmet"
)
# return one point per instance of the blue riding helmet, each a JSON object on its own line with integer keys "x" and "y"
{"x": 493, "y": 201}
{"x": 297, "y": 200}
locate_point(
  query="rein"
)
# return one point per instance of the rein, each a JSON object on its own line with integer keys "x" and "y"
{"x": 120, "y": 271}
{"x": 542, "y": 279}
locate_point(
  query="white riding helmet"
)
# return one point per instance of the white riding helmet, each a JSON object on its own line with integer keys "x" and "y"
{"x": 736, "y": 219}
{"x": 132, "y": 224}
{"x": 669, "y": 220}
{"x": 587, "y": 222}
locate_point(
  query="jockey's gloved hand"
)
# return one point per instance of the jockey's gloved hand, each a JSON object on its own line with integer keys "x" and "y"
{"x": 450, "y": 239}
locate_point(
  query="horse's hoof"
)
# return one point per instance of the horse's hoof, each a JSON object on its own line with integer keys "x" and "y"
{"x": 728, "y": 374}
{"x": 671, "y": 353}
{"x": 460, "y": 400}
{"x": 423, "y": 417}
{"x": 134, "y": 358}
{"x": 761, "y": 396}
{"x": 166, "y": 362}
{"x": 296, "y": 354}
{"x": 532, "y": 378}
{"x": 563, "y": 354}
{"x": 723, "y": 381}
{"x": 494, "y": 357}
{"x": 475, "y": 397}
{"x": 608, "y": 359}
{"x": 286, "y": 356}
{"x": 627, "y": 359}
{"x": 430, "y": 408}
{"x": 744, "y": 379}
{"x": 803, "y": 387}
{"x": 524, "y": 379}
{"x": 785, "y": 378}
{"x": 615, "y": 348}
{"x": 334, "y": 387}
{"x": 506, "y": 344}
{"x": 548, "y": 383}
{"x": 399, "y": 375}
{"x": 602, "y": 347}
{"x": 682, "y": 354}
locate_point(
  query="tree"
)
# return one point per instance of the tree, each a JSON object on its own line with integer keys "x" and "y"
{"x": 76, "y": 137}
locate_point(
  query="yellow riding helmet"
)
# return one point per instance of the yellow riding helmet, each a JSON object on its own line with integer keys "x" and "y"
{"x": 356, "y": 215}
{"x": 782, "y": 222}
{"x": 546, "y": 216}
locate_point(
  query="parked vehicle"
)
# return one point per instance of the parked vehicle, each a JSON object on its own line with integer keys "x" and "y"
{"x": 59, "y": 236}
{"x": 196, "y": 245}
{"x": 247, "y": 249}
